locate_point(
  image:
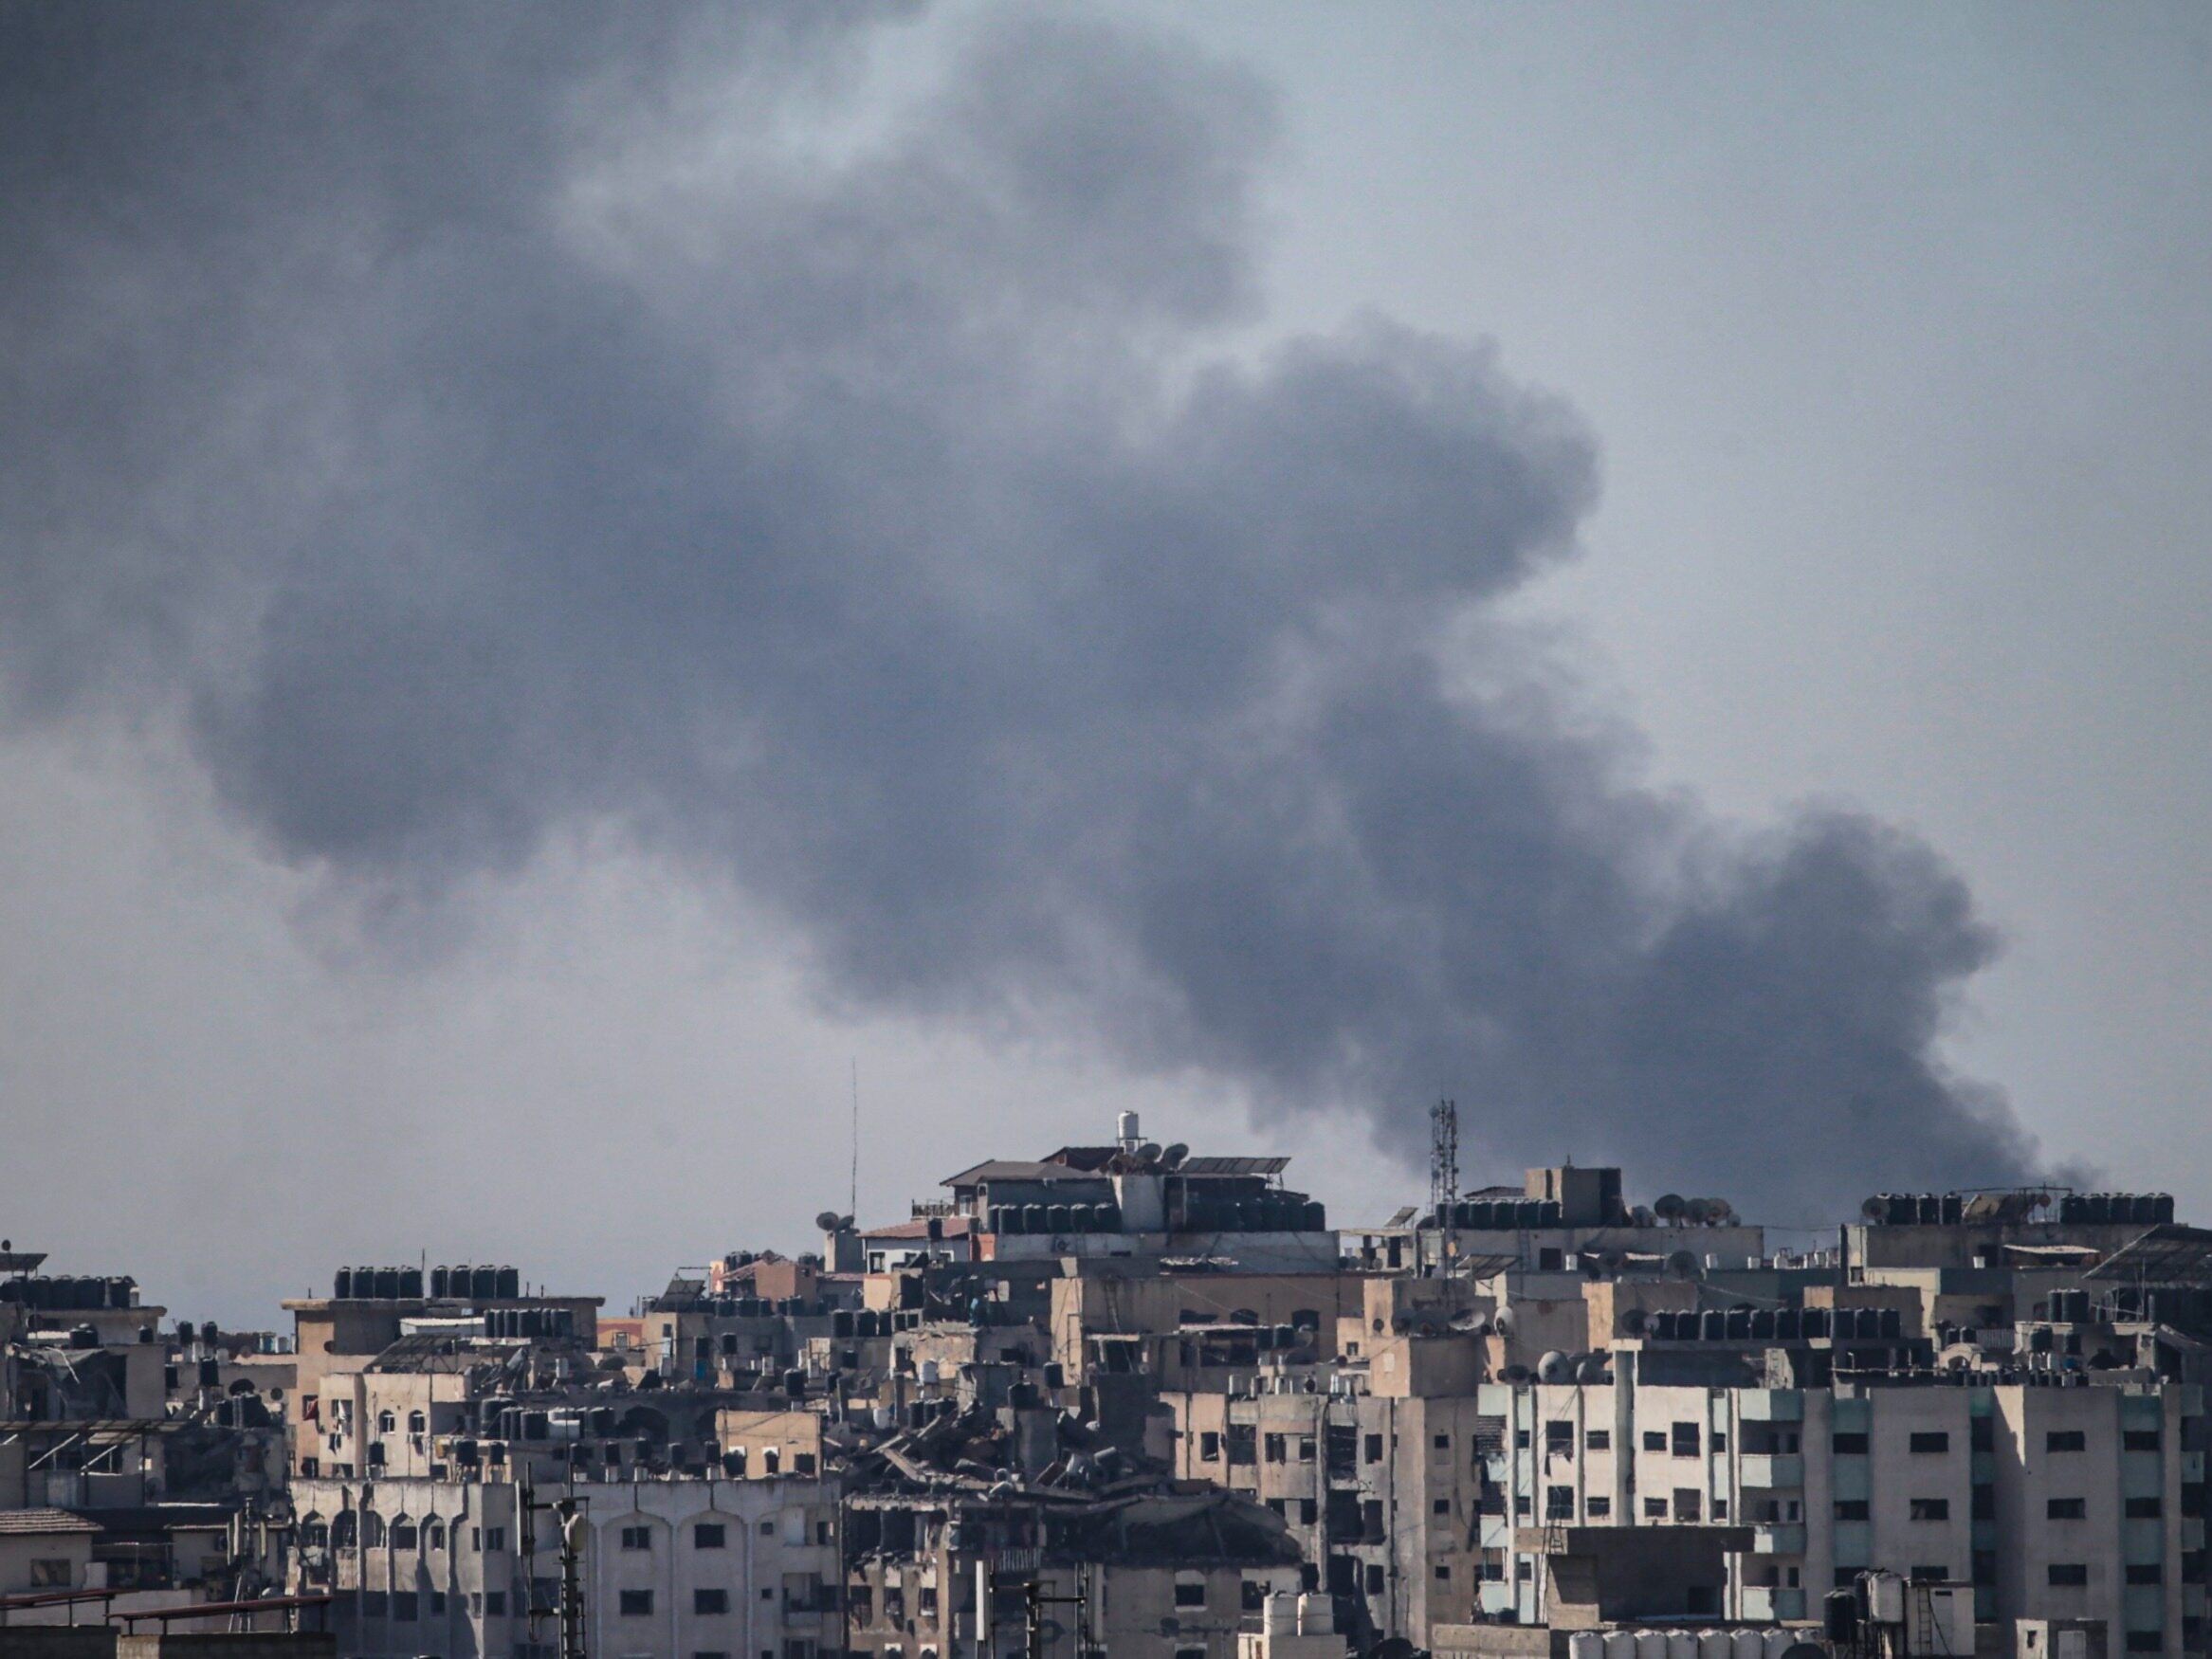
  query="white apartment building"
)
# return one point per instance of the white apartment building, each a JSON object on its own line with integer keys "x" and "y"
{"x": 2062, "y": 1503}
{"x": 674, "y": 1569}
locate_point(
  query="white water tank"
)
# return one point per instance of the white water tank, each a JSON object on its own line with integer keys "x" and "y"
{"x": 1585, "y": 1645}
{"x": 1748, "y": 1644}
{"x": 1278, "y": 1613}
{"x": 1779, "y": 1641}
{"x": 1681, "y": 1644}
{"x": 1650, "y": 1645}
{"x": 1715, "y": 1644}
{"x": 1125, "y": 1130}
{"x": 1619, "y": 1645}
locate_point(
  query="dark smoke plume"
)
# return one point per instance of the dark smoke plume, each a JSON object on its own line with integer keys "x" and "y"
{"x": 498, "y": 422}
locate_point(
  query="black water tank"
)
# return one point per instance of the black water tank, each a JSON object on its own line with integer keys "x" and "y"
{"x": 441, "y": 1280}
{"x": 342, "y": 1289}
{"x": 484, "y": 1284}
{"x": 1712, "y": 1325}
{"x": 411, "y": 1284}
{"x": 507, "y": 1283}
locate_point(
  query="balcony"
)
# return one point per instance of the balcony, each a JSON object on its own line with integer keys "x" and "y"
{"x": 1764, "y": 1602}
{"x": 1771, "y": 1405}
{"x": 1778, "y": 1538}
{"x": 1772, "y": 1470}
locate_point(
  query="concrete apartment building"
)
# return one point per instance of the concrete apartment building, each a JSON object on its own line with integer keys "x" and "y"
{"x": 674, "y": 1568}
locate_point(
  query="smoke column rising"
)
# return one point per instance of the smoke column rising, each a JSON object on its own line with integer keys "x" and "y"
{"x": 492, "y": 425}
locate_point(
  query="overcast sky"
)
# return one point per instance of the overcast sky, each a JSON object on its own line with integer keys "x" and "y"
{"x": 1495, "y": 550}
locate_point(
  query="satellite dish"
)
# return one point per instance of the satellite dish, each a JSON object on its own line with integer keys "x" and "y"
{"x": 1682, "y": 1265}
{"x": 1635, "y": 1323}
{"x": 1592, "y": 1266}
{"x": 1515, "y": 1374}
{"x": 1804, "y": 1651}
{"x": 1555, "y": 1367}
{"x": 1719, "y": 1211}
{"x": 1174, "y": 1155}
{"x": 1612, "y": 1261}
{"x": 826, "y": 1222}
{"x": 845, "y": 1224}
{"x": 1668, "y": 1207}
{"x": 1696, "y": 1211}
{"x": 1875, "y": 1209}
{"x": 1503, "y": 1322}
{"x": 1642, "y": 1216}
{"x": 1150, "y": 1152}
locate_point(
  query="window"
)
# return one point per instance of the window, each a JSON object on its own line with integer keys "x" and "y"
{"x": 1599, "y": 1508}
{"x": 2066, "y": 1440}
{"x": 1720, "y": 1442}
{"x": 434, "y": 1536}
{"x": 1982, "y": 1503}
{"x": 372, "y": 1530}
{"x": 1720, "y": 1508}
{"x": 637, "y": 1538}
{"x": 768, "y": 1529}
{"x": 2145, "y": 1573}
{"x": 437, "y": 1604}
{"x": 1208, "y": 1447}
{"x": 1374, "y": 1581}
{"x": 404, "y": 1535}
{"x": 2146, "y": 1642}
{"x": 1929, "y": 1440}
{"x": 1932, "y": 1509}
{"x": 771, "y": 1460}
{"x": 1309, "y": 1512}
{"x": 2068, "y": 1575}
{"x": 2066, "y": 1509}
{"x": 1190, "y": 1653}
{"x": 1254, "y": 1594}
{"x": 1374, "y": 1449}
{"x": 1848, "y": 1444}
{"x": 1689, "y": 1505}
{"x": 375, "y": 1603}
{"x": 1685, "y": 1440}
{"x": 2144, "y": 1509}
{"x": 406, "y": 1606}
{"x": 1559, "y": 1439}
{"x": 50, "y": 1574}
{"x": 1305, "y": 1448}
{"x": 1242, "y": 1444}
{"x": 802, "y": 1463}
{"x": 707, "y": 1535}
{"x": 1851, "y": 1510}
{"x": 1523, "y": 1569}
{"x": 1655, "y": 1509}
{"x": 636, "y": 1604}
{"x": 1558, "y": 1503}
{"x": 1521, "y": 1440}
{"x": 709, "y": 1655}
{"x": 1655, "y": 1440}
{"x": 1190, "y": 1592}
{"x": 495, "y": 1539}
{"x": 386, "y": 1422}
{"x": 416, "y": 1423}
{"x": 2139, "y": 1440}
{"x": 1273, "y": 1447}
{"x": 1938, "y": 1575}
{"x": 1441, "y": 1443}
{"x": 1520, "y": 1502}
{"x": 711, "y": 1601}
{"x": 1443, "y": 1574}
{"x": 1440, "y": 1507}
{"x": 1597, "y": 1440}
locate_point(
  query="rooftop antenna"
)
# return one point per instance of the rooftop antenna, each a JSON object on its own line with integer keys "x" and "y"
{"x": 1444, "y": 1152}
{"x": 853, "y": 1206}
{"x": 1444, "y": 1171}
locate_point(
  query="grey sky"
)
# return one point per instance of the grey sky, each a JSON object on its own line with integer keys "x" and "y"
{"x": 1891, "y": 333}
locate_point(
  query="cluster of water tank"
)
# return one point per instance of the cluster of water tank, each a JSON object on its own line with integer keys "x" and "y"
{"x": 1501, "y": 1214}
{"x": 1267, "y": 1212}
{"x": 503, "y": 1420}
{"x": 1770, "y": 1642}
{"x": 1777, "y": 1324}
{"x": 66, "y": 1294}
{"x": 763, "y": 1306}
{"x": 2127, "y": 1305}
{"x": 2116, "y": 1208}
{"x": 531, "y": 1323}
{"x": 1046, "y": 1219}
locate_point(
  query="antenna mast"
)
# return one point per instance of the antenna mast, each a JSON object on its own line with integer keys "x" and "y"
{"x": 1444, "y": 1175}
{"x": 853, "y": 1207}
